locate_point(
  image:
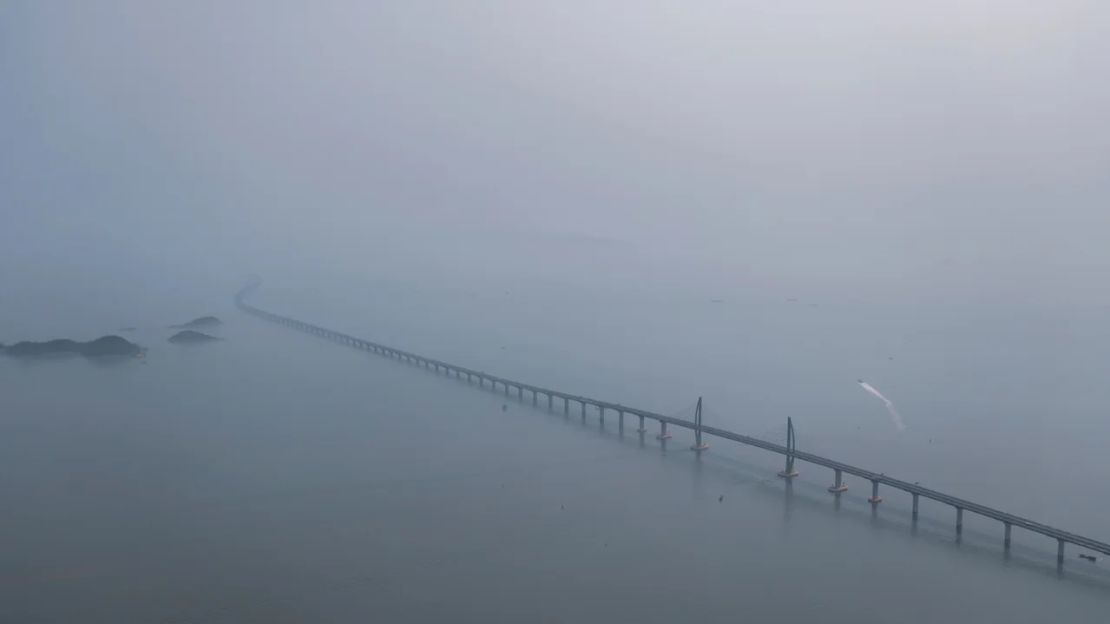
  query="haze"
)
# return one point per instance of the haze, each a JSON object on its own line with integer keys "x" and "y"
{"x": 555, "y": 192}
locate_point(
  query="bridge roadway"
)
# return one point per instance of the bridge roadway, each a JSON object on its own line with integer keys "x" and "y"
{"x": 839, "y": 468}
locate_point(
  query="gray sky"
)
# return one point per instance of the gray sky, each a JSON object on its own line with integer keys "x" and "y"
{"x": 866, "y": 148}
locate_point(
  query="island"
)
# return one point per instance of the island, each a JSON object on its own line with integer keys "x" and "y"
{"x": 197, "y": 323}
{"x": 107, "y": 345}
{"x": 189, "y": 336}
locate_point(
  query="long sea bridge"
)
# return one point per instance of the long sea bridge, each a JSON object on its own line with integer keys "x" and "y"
{"x": 791, "y": 454}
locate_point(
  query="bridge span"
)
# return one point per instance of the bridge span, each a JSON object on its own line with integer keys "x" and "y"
{"x": 509, "y": 387}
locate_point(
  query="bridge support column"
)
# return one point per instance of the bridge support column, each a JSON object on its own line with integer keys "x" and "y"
{"x": 533, "y": 397}
{"x": 1006, "y": 539}
{"x": 698, "y": 445}
{"x": 601, "y": 414}
{"x": 520, "y": 393}
{"x": 549, "y": 401}
{"x": 915, "y": 497}
{"x": 642, "y": 429}
{"x": 620, "y": 419}
{"x": 789, "y": 472}
{"x": 583, "y": 411}
{"x": 1059, "y": 552}
{"x": 566, "y": 405}
{"x": 875, "y": 498}
{"x": 959, "y": 520}
{"x": 838, "y": 484}
{"x": 506, "y": 389}
{"x": 663, "y": 435}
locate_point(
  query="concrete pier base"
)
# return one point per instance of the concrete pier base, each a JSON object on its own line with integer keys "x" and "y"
{"x": 838, "y": 483}
{"x": 663, "y": 435}
{"x": 788, "y": 474}
{"x": 699, "y": 447}
{"x": 874, "y": 499}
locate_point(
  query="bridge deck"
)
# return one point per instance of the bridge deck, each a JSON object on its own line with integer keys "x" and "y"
{"x": 959, "y": 503}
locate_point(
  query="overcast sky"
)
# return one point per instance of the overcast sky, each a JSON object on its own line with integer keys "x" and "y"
{"x": 952, "y": 148}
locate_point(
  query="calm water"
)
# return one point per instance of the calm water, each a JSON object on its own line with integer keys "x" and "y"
{"x": 274, "y": 477}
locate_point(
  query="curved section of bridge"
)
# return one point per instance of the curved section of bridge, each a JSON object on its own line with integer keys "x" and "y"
{"x": 792, "y": 455}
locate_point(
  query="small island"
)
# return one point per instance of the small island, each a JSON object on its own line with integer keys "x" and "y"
{"x": 189, "y": 336}
{"x": 198, "y": 323}
{"x": 107, "y": 345}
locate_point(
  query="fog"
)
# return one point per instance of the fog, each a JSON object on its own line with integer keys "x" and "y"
{"x": 646, "y": 202}
{"x": 862, "y": 149}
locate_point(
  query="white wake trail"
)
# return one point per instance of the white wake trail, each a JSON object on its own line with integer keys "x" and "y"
{"x": 895, "y": 417}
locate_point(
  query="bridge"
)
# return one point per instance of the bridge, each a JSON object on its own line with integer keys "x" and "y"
{"x": 791, "y": 454}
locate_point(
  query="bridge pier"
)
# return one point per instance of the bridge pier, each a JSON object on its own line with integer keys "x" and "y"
{"x": 959, "y": 520}
{"x": 1059, "y": 552}
{"x": 506, "y": 388}
{"x": 915, "y": 497}
{"x": 698, "y": 445}
{"x": 601, "y": 413}
{"x": 566, "y": 405}
{"x": 583, "y": 410}
{"x": 1006, "y": 539}
{"x": 533, "y": 397}
{"x": 520, "y": 393}
{"x": 549, "y": 401}
{"x": 838, "y": 484}
{"x": 620, "y": 419}
{"x": 642, "y": 429}
{"x": 663, "y": 435}
{"x": 875, "y": 498}
{"x": 788, "y": 472}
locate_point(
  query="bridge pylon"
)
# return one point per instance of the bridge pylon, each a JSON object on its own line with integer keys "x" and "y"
{"x": 789, "y": 472}
{"x": 698, "y": 446}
